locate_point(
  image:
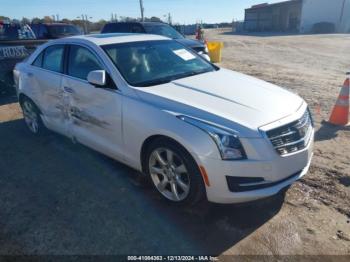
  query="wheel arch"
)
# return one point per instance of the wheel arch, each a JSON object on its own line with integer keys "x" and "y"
{"x": 202, "y": 177}
{"x": 22, "y": 97}
{"x": 151, "y": 139}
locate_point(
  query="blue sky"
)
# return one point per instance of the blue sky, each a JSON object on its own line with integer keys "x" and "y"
{"x": 183, "y": 11}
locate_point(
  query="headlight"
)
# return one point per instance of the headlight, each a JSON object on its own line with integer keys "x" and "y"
{"x": 229, "y": 145}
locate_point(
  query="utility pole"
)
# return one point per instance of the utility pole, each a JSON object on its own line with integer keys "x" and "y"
{"x": 84, "y": 24}
{"x": 87, "y": 24}
{"x": 84, "y": 19}
{"x": 170, "y": 20}
{"x": 342, "y": 12}
{"x": 114, "y": 17}
{"x": 142, "y": 11}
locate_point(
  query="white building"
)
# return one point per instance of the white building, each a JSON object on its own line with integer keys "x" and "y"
{"x": 298, "y": 16}
{"x": 332, "y": 11}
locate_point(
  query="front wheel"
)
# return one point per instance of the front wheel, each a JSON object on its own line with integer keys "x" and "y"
{"x": 174, "y": 173}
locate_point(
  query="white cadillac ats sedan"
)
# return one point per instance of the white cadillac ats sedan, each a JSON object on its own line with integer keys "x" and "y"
{"x": 196, "y": 130}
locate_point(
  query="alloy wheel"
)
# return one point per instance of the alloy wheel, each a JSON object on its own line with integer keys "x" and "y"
{"x": 169, "y": 174}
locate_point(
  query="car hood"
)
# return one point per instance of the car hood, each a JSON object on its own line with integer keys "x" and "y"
{"x": 190, "y": 42}
{"x": 226, "y": 98}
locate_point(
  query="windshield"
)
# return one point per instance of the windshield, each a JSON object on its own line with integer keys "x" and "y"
{"x": 155, "y": 62}
{"x": 165, "y": 30}
{"x": 15, "y": 32}
{"x": 57, "y": 30}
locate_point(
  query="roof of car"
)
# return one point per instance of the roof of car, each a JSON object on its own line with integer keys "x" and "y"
{"x": 113, "y": 38}
{"x": 52, "y": 24}
{"x": 154, "y": 23}
{"x": 139, "y": 22}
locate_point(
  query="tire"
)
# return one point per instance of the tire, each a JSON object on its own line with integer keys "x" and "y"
{"x": 171, "y": 169}
{"x": 32, "y": 118}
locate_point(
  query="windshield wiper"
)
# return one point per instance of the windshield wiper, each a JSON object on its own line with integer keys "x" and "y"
{"x": 170, "y": 78}
{"x": 193, "y": 73}
{"x": 154, "y": 82}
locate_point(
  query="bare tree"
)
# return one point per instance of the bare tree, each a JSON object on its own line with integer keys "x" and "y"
{"x": 47, "y": 19}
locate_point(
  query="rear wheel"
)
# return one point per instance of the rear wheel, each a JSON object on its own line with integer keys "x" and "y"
{"x": 174, "y": 173}
{"x": 32, "y": 117}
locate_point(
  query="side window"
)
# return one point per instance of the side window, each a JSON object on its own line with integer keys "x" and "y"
{"x": 53, "y": 58}
{"x": 39, "y": 60}
{"x": 81, "y": 62}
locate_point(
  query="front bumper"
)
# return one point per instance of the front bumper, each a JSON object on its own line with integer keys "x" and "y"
{"x": 277, "y": 170}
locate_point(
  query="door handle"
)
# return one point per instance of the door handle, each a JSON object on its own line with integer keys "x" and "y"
{"x": 68, "y": 90}
{"x": 30, "y": 74}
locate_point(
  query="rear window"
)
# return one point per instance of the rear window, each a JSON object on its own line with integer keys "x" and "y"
{"x": 116, "y": 28}
{"x": 163, "y": 29}
{"x": 123, "y": 28}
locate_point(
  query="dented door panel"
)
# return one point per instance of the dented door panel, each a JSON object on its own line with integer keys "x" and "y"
{"x": 94, "y": 115}
{"x": 45, "y": 90}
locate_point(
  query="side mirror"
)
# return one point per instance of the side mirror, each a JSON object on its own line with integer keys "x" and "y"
{"x": 97, "y": 78}
{"x": 205, "y": 56}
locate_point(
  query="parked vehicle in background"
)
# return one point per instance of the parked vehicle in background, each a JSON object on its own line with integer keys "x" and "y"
{"x": 196, "y": 130}
{"x": 16, "y": 43}
{"x": 54, "y": 30}
{"x": 156, "y": 28}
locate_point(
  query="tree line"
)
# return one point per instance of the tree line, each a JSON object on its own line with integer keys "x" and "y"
{"x": 90, "y": 26}
{"x": 82, "y": 23}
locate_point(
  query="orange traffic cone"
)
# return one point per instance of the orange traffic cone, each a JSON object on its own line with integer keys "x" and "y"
{"x": 340, "y": 113}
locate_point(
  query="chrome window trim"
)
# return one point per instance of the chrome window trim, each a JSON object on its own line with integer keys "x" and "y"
{"x": 69, "y": 76}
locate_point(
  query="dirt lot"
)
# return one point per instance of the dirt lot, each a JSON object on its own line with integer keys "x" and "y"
{"x": 61, "y": 198}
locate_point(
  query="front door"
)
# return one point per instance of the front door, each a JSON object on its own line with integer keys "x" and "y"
{"x": 94, "y": 112}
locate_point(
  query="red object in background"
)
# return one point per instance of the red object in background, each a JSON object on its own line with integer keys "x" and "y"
{"x": 340, "y": 113}
{"x": 199, "y": 34}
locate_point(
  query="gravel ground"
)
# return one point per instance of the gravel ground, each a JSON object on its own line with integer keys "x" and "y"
{"x": 61, "y": 198}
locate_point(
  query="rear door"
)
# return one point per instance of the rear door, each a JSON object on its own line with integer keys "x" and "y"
{"x": 44, "y": 77}
{"x": 95, "y": 113}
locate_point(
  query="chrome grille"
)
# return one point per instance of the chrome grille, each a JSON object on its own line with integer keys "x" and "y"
{"x": 292, "y": 137}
